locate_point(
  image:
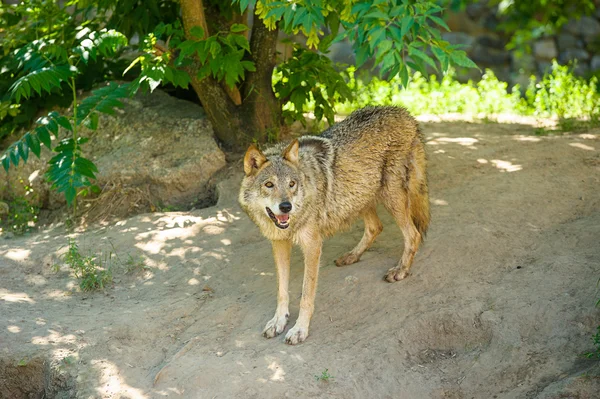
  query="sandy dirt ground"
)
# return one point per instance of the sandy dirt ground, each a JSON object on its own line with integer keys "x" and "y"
{"x": 500, "y": 304}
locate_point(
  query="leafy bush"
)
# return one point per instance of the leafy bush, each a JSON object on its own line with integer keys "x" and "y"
{"x": 558, "y": 94}
{"x": 64, "y": 53}
{"x": 88, "y": 269}
{"x": 38, "y": 39}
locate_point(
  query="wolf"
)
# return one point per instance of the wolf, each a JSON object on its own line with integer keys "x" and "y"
{"x": 317, "y": 185}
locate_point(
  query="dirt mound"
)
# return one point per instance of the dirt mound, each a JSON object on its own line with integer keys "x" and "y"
{"x": 500, "y": 305}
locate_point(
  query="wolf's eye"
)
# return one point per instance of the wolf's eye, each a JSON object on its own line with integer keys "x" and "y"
{"x": 269, "y": 184}
{"x": 292, "y": 183}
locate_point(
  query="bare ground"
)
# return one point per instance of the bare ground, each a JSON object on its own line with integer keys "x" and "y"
{"x": 500, "y": 305}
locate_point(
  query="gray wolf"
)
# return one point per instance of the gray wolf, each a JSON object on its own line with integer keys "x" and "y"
{"x": 317, "y": 185}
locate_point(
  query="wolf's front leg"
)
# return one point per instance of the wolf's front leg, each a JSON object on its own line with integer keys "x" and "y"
{"x": 282, "y": 251}
{"x": 311, "y": 246}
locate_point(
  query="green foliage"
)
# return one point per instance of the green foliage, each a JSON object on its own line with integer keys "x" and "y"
{"x": 309, "y": 76}
{"x": 398, "y": 35}
{"x": 43, "y": 42}
{"x": 527, "y": 20}
{"x": 21, "y": 216}
{"x": 562, "y": 94}
{"x": 325, "y": 376}
{"x": 558, "y": 94}
{"x": 222, "y": 56}
{"x": 88, "y": 269}
{"x": 44, "y": 67}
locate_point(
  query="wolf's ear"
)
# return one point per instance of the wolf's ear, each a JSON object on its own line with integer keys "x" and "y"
{"x": 253, "y": 160}
{"x": 291, "y": 152}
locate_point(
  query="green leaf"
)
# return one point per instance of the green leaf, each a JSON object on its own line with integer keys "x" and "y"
{"x": 44, "y": 136}
{"x": 33, "y": 143}
{"x": 92, "y": 121}
{"x": 23, "y": 150}
{"x": 236, "y": 28}
{"x": 52, "y": 77}
{"x": 242, "y": 42}
{"x": 5, "y": 162}
{"x": 460, "y": 58}
{"x": 418, "y": 53}
{"x": 14, "y": 155}
{"x": 440, "y": 22}
{"x": 404, "y": 75}
{"x": 406, "y": 24}
{"x": 197, "y": 32}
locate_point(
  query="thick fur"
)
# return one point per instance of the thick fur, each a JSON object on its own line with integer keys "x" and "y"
{"x": 376, "y": 155}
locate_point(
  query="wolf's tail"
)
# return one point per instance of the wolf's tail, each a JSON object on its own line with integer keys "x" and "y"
{"x": 418, "y": 192}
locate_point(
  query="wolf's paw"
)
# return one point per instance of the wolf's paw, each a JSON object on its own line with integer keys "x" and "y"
{"x": 347, "y": 259}
{"x": 296, "y": 335}
{"x": 396, "y": 274}
{"x": 275, "y": 326}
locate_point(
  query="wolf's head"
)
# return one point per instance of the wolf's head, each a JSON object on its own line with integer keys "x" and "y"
{"x": 272, "y": 190}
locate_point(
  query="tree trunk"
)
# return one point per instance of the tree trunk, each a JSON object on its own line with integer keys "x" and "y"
{"x": 258, "y": 118}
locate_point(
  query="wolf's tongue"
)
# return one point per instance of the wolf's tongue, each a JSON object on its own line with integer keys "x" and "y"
{"x": 282, "y": 218}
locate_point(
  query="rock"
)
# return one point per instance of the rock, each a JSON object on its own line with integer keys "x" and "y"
{"x": 159, "y": 144}
{"x": 595, "y": 63}
{"x": 567, "y": 41}
{"x": 545, "y": 49}
{"x": 459, "y": 38}
{"x": 487, "y": 56}
{"x": 587, "y": 27}
{"x": 491, "y": 23}
{"x": 460, "y": 22}
{"x": 524, "y": 63}
{"x": 581, "y": 69}
{"x": 476, "y": 10}
{"x": 573, "y": 54}
{"x": 544, "y": 66}
{"x": 491, "y": 41}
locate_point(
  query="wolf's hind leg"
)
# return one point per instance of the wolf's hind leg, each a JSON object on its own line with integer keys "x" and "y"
{"x": 399, "y": 208}
{"x": 373, "y": 227}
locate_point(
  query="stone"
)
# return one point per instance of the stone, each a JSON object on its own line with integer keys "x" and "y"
{"x": 487, "y": 56}
{"x": 544, "y": 67}
{"x": 567, "y": 41}
{"x": 460, "y": 22}
{"x": 524, "y": 63}
{"x": 581, "y": 69}
{"x": 491, "y": 41}
{"x": 157, "y": 144}
{"x": 595, "y": 63}
{"x": 476, "y": 10}
{"x": 587, "y": 27}
{"x": 161, "y": 144}
{"x": 572, "y": 55}
{"x": 545, "y": 49}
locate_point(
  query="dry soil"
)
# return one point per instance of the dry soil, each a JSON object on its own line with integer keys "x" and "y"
{"x": 500, "y": 304}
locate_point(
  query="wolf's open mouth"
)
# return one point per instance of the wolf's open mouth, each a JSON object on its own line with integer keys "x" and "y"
{"x": 281, "y": 221}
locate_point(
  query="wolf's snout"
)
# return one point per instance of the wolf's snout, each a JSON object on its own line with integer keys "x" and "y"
{"x": 285, "y": 207}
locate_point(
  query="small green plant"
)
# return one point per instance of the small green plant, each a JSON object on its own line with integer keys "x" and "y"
{"x": 595, "y": 354}
{"x": 88, "y": 269}
{"x": 21, "y": 216}
{"x": 325, "y": 376}
{"x": 135, "y": 265}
